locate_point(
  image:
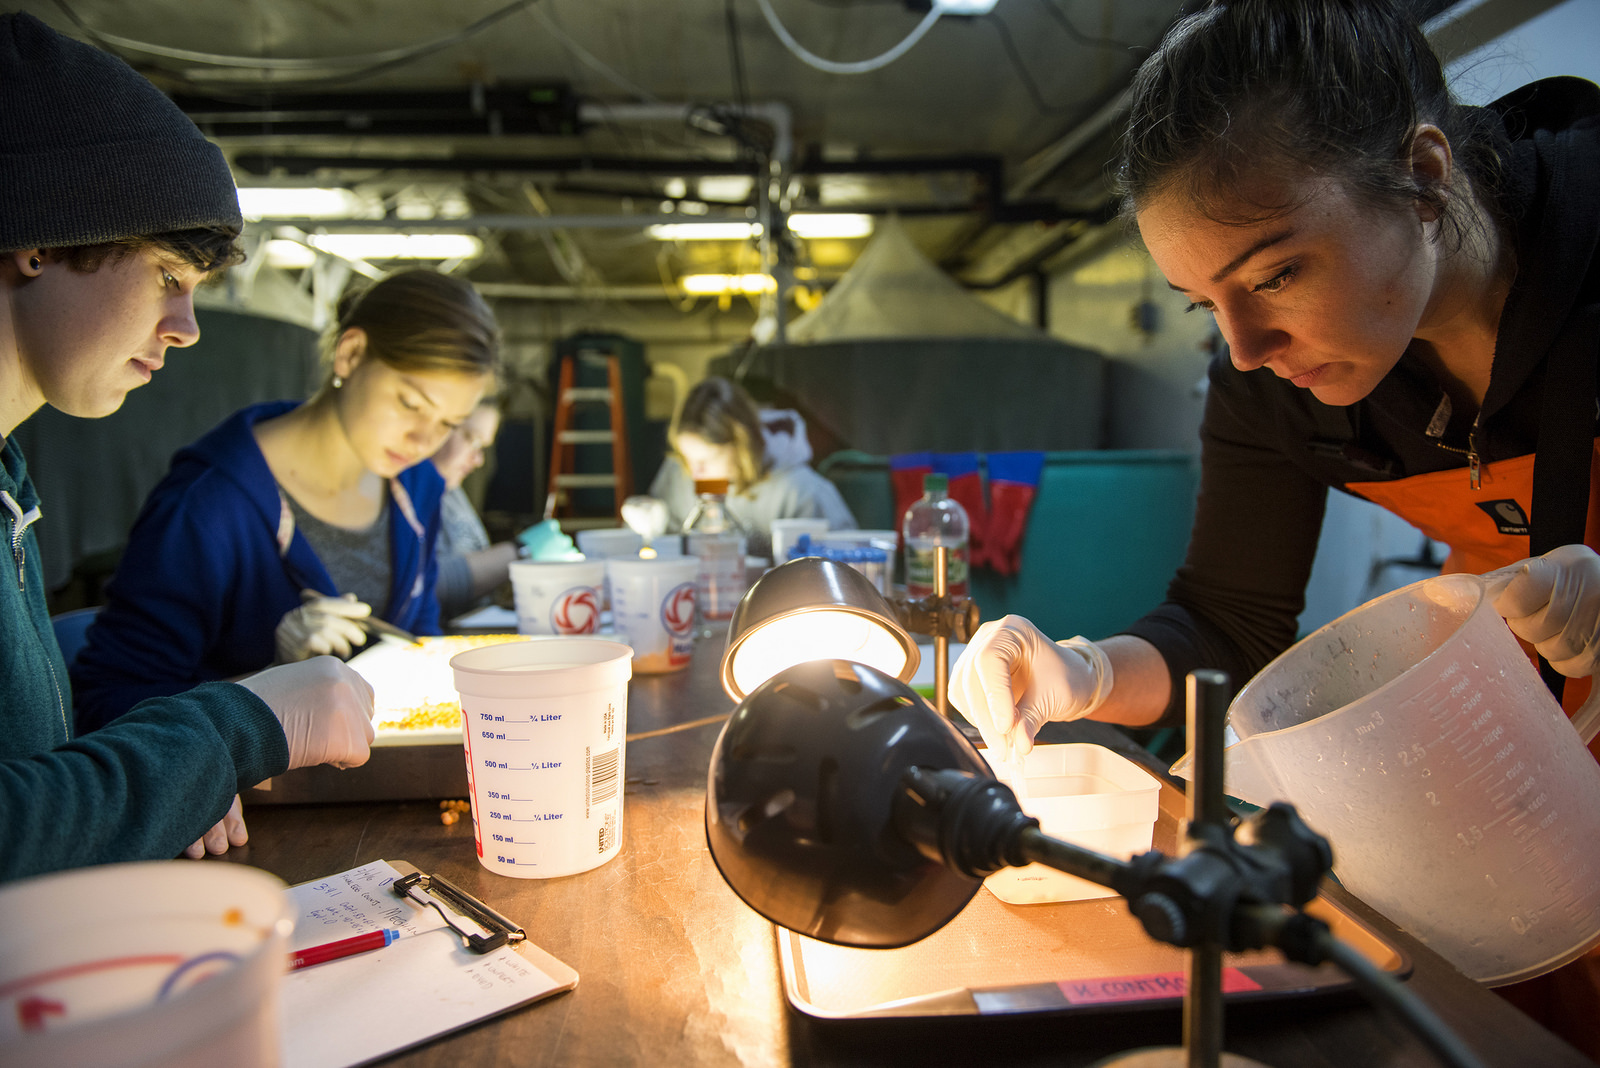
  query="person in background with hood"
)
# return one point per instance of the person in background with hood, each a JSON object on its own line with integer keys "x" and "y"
{"x": 764, "y": 456}
{"x": 1410, "y": 294}
{"x": 113, "y": 208}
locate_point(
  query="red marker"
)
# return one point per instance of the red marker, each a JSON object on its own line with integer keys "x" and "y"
{"x": 345, "y": 947}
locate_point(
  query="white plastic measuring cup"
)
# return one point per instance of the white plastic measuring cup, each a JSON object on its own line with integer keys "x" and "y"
{"x": 652, "y": 609}
{"x": 1460, "y": 801}
{"x": 143, "y": 965}
{"x": 544, "y": 725}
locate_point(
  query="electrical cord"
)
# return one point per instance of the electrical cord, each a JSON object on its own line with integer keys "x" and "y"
{"x": 863, "y": 66}
{"x": 1388, "y": 992}
{"x": 1010, "y": 46}
{"x": 1080, "y": 37}
{"x": 378, "y": 60}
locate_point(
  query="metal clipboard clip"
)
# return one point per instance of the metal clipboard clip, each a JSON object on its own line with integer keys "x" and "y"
{"x": 481, "y": 928}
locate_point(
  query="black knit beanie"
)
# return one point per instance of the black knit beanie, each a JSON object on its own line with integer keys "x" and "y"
{"x": 90, "y": 151}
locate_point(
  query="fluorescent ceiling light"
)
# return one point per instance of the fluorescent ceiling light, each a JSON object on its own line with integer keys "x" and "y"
{"x": 288, "y": 255}
{"x": 274, "y": 203}
{"x": 965, "y": 7}
{"x": 708, "y": 285}
{"x": 827, "y": 224}
{"x": 726, "y": 187}
{"x": 399, "y": 246}
{"x": 710, "y": 230}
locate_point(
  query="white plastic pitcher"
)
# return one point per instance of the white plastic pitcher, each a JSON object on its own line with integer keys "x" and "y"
{"x": 1417, "y": 736}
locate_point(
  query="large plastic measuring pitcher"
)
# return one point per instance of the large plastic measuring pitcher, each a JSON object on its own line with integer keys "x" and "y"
{"x": 1460, "y": 801}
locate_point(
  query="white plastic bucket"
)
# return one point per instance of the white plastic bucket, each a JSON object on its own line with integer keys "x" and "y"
{"x": 652, "y": 609}
{"x": 558, "y": 596}
{"x": 168, "y": 963}
{"x": 600, "y": 543}
{"x": 544, "y": 726}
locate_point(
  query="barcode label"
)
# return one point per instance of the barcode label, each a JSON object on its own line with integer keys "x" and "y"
{"x": 603, "y": 777}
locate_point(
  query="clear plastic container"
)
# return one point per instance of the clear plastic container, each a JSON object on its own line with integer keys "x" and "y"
{"x": 716, "y": 538}
{"x": 870, "y": 560}
{"x": 933, "y": 520}
{"x": 1084, "y": 794}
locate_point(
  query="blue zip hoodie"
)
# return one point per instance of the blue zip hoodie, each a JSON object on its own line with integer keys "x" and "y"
{"x": 208, "y": 573}
{"x": 142, "y": 789}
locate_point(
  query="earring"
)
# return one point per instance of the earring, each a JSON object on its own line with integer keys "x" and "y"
{"x": 34, "y": 263}
{"x": 338, "y": 383}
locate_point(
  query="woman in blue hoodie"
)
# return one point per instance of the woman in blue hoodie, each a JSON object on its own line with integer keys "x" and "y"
{"x": 275, "y": 534}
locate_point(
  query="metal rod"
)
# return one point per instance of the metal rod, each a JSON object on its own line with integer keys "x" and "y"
{"x": 941, "y": 641}
{"x": 1207, "y": 699}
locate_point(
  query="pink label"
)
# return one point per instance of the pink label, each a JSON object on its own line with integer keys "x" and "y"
{"x": 1146, "y": 987}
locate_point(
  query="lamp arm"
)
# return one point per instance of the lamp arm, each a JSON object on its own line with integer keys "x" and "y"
{"x": 1235, "y": 894}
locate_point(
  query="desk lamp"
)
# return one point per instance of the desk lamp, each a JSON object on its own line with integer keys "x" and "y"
{"x": 839, "y": 805}
{"x": 815, "y": 609}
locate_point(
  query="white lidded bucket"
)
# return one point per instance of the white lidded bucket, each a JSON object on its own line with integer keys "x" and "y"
{"x": 558, "y": 596}
{"x": 544, "y": 722}
{"x": 167, "y": 963}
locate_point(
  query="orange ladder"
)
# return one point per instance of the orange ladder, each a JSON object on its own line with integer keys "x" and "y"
{"x": 564, "y": 442}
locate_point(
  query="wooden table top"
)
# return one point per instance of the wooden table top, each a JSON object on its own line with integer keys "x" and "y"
{"x": 675, "y": 970}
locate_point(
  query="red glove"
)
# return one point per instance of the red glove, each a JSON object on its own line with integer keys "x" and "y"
{"x": 1013, "y": 483}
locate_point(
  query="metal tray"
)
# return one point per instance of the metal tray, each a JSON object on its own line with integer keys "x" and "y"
{"x": 1072, "y": 957}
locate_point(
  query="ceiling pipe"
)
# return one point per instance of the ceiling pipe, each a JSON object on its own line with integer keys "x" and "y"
{"x": 504, "y": 222}
{"x": 524, "y": 291}
{"x": 776, "y": 115}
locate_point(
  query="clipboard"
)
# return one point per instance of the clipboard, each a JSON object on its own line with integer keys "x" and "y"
{"x": 458, "y": 961}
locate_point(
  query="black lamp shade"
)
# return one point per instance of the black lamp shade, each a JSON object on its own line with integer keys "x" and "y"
{"x": 799, "y": 802}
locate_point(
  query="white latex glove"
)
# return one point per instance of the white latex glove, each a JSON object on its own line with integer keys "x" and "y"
{"x": 320, "y": 626}
{"x": 1012, "y": 679}
{"x": 228, "y": 831}
{"x": 325, "y": 708}
{"x": 645, "y": 516}
{"x": 1553, "y": 603}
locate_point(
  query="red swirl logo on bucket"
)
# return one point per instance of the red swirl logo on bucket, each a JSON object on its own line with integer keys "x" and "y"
{"x": 577, "y": 611}
{"x": 677, "y": 610}
{"x": 677, "y": 615}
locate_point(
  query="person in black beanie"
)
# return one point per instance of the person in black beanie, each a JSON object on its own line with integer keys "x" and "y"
{"x": 113, "y": 208}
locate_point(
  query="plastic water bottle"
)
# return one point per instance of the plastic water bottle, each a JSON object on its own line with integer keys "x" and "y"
{"x": 933, "y": 520}
{"x": 714, "y": 536}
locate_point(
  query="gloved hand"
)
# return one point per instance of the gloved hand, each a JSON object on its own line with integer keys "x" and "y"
{"x": 228, "y": 831}
{"x": 546, "y": 541}
{"x": 1553, "y": 603}
{"x": 325, "y": 708}
{"x": 1012, "y": 679}
{"x": 646, "y": 516}
{"x": 320, "y": 626}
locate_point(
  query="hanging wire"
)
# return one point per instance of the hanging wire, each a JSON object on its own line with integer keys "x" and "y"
{"x": 367, "y": 64}
{"x": 1080, "y": 37}
{"x": 863, "y": 66}
{"x": 378, "y": 60}
{"x": 1021, "y": 68}
{"x": 584, "y": 56}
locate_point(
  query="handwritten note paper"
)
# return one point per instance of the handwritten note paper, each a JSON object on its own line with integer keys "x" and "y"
{"x": 362, "y": 1008}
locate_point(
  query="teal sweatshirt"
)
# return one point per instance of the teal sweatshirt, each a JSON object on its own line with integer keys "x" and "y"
{"x": 142, "y": 788}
